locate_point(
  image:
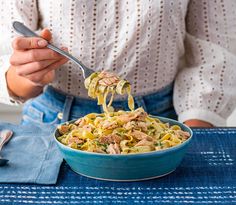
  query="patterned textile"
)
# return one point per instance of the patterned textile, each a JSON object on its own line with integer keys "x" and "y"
{"x": 205, "y": 176}
{"x": 33, "y": 156}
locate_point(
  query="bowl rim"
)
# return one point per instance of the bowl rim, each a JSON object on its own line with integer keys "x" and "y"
{"x": 158, "y": 152}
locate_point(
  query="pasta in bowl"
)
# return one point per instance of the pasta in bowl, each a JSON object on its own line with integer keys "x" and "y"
{"x": 124, "y": 145}
{"x": 121, "y": 133}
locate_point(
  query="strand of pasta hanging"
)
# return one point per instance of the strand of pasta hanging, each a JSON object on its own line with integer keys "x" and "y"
{"x": 102, "y": 84}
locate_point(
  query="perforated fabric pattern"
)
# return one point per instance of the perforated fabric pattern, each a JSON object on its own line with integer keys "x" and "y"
{"x": 143, "y": 41}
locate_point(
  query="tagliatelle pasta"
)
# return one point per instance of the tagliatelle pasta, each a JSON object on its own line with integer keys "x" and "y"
{"x": 100, "y": 85}
{"x": 121, "y": 132}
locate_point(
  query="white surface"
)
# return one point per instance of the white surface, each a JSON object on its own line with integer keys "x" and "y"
{"x": 13, "y": 114}
{"x": 231, "y": 122}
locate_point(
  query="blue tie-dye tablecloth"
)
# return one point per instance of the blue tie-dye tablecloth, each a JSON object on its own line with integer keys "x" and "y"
{"x": 207, "y": 175}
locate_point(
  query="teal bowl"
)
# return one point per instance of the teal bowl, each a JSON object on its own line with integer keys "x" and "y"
{"x": 129, "y": 167}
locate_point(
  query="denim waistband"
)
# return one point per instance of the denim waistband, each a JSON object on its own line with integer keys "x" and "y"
{"x": 73, "y": 106}
{"x": 61, "y": 96}
{"x": 56, "y": 94}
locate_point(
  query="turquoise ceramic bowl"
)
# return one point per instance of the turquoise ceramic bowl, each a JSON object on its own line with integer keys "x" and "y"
{"x": 130, "y": 167}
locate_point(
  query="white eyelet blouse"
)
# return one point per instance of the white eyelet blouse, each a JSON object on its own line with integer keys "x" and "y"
{"x": 149, "y": 42}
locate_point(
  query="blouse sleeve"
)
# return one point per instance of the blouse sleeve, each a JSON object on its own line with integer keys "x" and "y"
{"x": 12, "y": 10}
{"x": 205, "y": 86}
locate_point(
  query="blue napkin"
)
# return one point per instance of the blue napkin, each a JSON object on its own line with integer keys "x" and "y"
{"x": 32, "y": 154}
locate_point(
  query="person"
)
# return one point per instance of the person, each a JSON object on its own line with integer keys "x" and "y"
{"x": 178, "y": 55}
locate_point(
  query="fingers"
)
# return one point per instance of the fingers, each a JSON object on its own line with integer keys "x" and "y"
{"x": 46, "y": 34}
{"x": 57, "y": 64}
{"x": 23, "y": 43}
{"x": 33, "y": 55}
{"x": 29, "y": 68}
{"x": 33, "y": 61}
{"x": 40, "y": 77}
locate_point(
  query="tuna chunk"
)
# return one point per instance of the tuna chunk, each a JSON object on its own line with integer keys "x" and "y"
{"x": 113, "y": 149}
{"x": 113, "y": 138}
{"x": 144, "y": 142}
{"x": 109, "y": 125}
{"x": 140, "y": 135}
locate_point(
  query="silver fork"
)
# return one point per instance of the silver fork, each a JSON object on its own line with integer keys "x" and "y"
{"x": 25, "y": 31}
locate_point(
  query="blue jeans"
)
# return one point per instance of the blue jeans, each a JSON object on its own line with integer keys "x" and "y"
{"x": 53, "y": 107}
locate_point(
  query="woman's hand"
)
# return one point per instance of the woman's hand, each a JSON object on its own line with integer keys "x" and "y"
{"x": 32, "y": 65}
{"x": 32, "y": 60}
{"x": 197, "y": 123}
